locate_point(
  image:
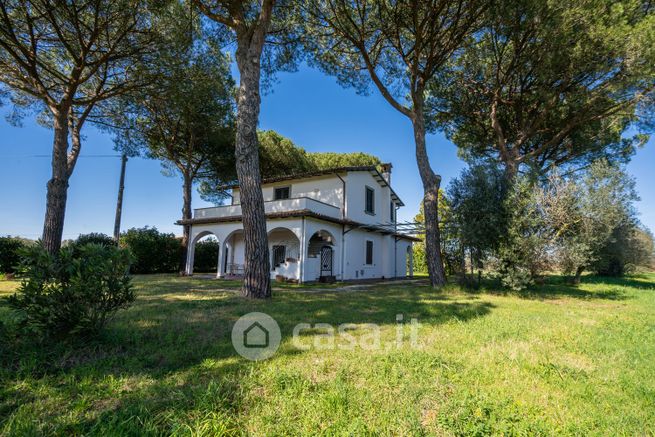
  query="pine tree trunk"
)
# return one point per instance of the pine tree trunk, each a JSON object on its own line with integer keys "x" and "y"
{"x": 431, "y": 183}
{"x": 187, "y": 190}
{"x": 257, "y": 283}
{"x": 53, "y": 227}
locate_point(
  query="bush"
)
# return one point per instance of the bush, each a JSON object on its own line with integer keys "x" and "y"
{"x": 93, "y": 238}
{"x": 73, "y": 292}
{"x": 10, "y": 248}
{"x": 206, "y": 256}
{"x": 153, "y": 251}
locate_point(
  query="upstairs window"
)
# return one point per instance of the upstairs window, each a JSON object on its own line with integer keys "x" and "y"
{"x": 369, "y": 204}
{"x": 392, "y": 212}
{"x": 280, "y": 193}
{"x": 369, "y": 253}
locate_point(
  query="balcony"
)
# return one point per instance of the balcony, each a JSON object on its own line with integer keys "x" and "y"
{"x": 271, "y": 207}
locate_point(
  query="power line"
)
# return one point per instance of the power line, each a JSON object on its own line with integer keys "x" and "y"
{"x": 50, "y": 156}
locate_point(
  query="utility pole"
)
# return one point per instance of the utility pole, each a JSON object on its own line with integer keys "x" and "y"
{"x": 119, "y": 201}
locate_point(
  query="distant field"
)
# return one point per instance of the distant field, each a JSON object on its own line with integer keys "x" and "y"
{"x": 555, "y": 360}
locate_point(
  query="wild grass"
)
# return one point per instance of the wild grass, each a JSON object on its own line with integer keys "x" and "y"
{"x": 554, "y": 360}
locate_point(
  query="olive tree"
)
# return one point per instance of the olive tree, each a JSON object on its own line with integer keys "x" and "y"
{"x": 583, "y": 213}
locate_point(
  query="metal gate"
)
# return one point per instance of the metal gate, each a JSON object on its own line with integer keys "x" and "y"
{"x": 326, "y": 261}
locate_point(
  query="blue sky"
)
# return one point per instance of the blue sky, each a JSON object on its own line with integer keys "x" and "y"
{"x": 306, "y": 106}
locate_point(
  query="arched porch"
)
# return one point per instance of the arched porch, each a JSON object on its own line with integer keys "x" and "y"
{"x": 232, "y": 263}
{"x": 191, "y": 250}
{"x": 300, "y": 249}
{"x": 320, "y": 264}
{"x": 285, "y": 254}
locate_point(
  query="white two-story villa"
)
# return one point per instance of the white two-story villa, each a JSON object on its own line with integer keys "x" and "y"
{"x": 337, "y": 224}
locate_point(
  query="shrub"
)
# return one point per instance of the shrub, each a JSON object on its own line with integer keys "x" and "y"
{"x": 206, "y": 256}
{"x": 10, "y": 248}
{"x": 153, "y": 251}
{"x": 93, "y": 238}
{"x": 72, "y": 292}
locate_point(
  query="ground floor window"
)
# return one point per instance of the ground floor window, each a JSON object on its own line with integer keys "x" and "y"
{"x": 369, "y": 252}
{"x": 279, "y": 254}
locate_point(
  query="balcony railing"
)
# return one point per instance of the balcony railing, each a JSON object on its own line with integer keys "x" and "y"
{"x": 272, "y": 206}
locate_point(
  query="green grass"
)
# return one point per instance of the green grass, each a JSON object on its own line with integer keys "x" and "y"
{"x": 554, "y": 360}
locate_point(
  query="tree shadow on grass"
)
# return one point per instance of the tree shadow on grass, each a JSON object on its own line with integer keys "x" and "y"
{"x": 173, "y": 354}
{"x": 638, "y": 281}
{"x": 558, "y": 286}
{"x": 183, "y": 328}
{"x": 174, "y": 333}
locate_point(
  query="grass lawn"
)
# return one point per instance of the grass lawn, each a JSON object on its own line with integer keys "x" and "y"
{"x": 555, "y": 360}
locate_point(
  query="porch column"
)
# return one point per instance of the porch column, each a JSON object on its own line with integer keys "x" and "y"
{"x": 220, "y": 270}
{"x": 302, "y": 255}
{"x": 342, "y": 261}
{"x": 410, "y": 251}
{"x": 190, "y": 255}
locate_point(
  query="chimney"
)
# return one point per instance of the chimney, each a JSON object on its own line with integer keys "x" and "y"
{"x": 386, "y": 172}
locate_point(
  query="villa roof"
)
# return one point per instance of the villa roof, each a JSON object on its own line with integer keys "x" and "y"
{"x": 329, "y": 171}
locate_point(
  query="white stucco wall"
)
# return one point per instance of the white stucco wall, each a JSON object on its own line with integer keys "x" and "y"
{"x": 389, "y": 257}
{"x": 327, "y": 189}
{"x": 355, "y": 265}
{"x": 357, "y": 182}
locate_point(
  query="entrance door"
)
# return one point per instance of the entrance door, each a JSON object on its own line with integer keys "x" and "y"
{"x": 326, "y": 261}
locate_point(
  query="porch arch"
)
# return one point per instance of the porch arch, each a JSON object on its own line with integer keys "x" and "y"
{"x": 191, "y": 250}
{"x": 319, "y": 239}
{"x": 232, "y": 261}
{"x": 322, "y": 256}
{"x": 284, "y": 247}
